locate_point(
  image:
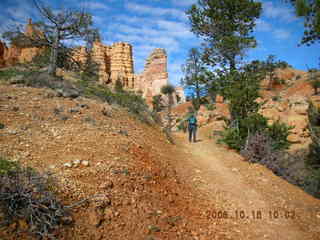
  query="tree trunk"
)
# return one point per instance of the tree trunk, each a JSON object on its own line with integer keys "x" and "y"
{"x": 170, "y": 98}
{"x": 198, "y": 95}
{"x": 54, "y": 55}
{"x": 232, "y": 64}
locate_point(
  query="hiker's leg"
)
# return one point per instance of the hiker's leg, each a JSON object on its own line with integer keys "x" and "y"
{"x": 190, "y": 133}
{"x": 194, "y": 134}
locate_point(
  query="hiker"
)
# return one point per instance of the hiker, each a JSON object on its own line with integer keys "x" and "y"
{"x": 192, "y": 127}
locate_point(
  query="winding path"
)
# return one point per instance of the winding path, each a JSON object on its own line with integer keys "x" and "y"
{"x": 248, "y": 197}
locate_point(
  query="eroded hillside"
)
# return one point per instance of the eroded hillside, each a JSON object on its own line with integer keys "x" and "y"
{"x": 98, "y": 150}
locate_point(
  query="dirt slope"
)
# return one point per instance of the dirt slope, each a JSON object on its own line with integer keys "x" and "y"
{"x": 130, "y": 164}
{"x": 154, "y": 190}
{"x": 236, "y": 186}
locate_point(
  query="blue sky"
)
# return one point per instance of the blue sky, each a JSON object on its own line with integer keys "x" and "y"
{"x": 149, "y": 24}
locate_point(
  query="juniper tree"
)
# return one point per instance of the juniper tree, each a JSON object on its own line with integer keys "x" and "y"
{"x": 168, "y": 90}
{"x": 310, "y": 10}
{"x": 225, "y": 26}
{"x": 195, "y": 78}
{"x": 56, "y": 28}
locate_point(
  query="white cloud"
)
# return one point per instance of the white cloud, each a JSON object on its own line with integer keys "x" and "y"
{"x": 177, "y": 29}
{"x": 184, "y": 3}
{"x": 284, "y": 13}
{"x": 263, "y": 26}
{"x": 281, "y": 34}
{"x": 156, "y": 11}
{"x": 95, "y": 6}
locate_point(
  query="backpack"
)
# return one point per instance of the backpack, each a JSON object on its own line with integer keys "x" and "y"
{"x": 192, "y": 120}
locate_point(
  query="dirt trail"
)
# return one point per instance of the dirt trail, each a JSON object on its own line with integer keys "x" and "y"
{"x": 243, "y": 191}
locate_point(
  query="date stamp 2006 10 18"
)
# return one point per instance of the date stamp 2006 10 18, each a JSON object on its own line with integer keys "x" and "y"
{"x": 256, "y": 214}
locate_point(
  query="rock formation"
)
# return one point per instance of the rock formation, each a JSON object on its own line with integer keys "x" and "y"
{"x": 3, "y": 51}
{"x": 155, "y": 74}
{"x": 14, "y": 54}
{"x": 114, "y": 62}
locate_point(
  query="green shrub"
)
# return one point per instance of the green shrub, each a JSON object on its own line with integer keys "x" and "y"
{"x": 279, "y": 81}
{"x": 312, "y": 183}
{"x": 236, "y": 137}
{"x": 315, "y": 84}
{"x": 6, "y": 74}
{"x": 232, "y": 137}
{"x": 42, "y": 60}
{"x": 118, "y": 88}
{"x": 7, "y": 166}
{"x": 182, "y": 126}
{"x": 135, "y": 104}
{"x": 298, "y": 77}
{"x": 314, "y": 128}
{"x": 276, "y": 98}
{"x": 157, "y": 103}
{"x": 195, "y": 103}
{"x": 210, "y": 107}
{"x": 279, "y": 133}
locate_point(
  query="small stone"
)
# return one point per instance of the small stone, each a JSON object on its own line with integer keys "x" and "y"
{"x": 76, "y": 163}
{"x": 124, "y": 132}
{"x": 106, "y": 111}
{"x": 58, "y": 110}
{"x": 108, "y": 184}
{"x": 13, "y": 132}
{"x": 52, "y": 167}
{"x": 67, "y": 165}
{"x": 15, "y": 109}
{"x": 23, "y": 225}
{"x": 74, "y": 110}
{"x": 101, "y": 201}
{"x": 68, "y": 93}
{"x": 83, "y": 105}
{"x": 153, "y": 228}
{"x": 108, "y": 214}
{"x": 294, "y": 139}
{"x": 95, "y": 218}
{"x": 17, "y": 79}
{"x": 85, "y": 163}
{"x": 50, "y": 94}
{"x": 63, "y": 117}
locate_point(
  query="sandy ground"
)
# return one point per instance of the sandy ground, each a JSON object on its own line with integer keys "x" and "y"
{"x": 248, "y": 197}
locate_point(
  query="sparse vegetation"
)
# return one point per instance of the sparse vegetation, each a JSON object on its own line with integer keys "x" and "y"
{"x": 118, "y": 88}
{"x": 7, "y": 74}
{"x": 135, "y": 104}
{"x": 314, "y": 128}
{"x": 210, "y": 107}
{"x": 168, "y": 90}
{"x": 25, "y": 198}
{"x": 276, "y": 98}
{"x": 157, "y": 103}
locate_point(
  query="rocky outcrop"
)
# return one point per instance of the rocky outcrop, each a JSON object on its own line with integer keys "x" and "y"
{"x": 3, "y": 51}
{"x": 155, "y": 74}
{"x": 115, "y": 62}
{"x": 11, "y": 56}
{"x": 14, "y": 54}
